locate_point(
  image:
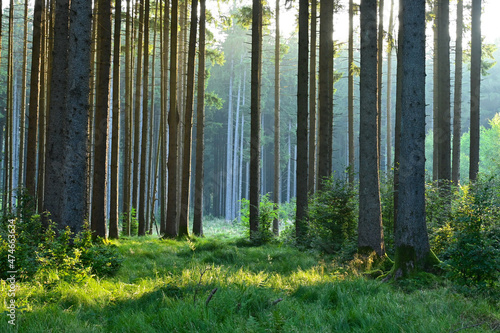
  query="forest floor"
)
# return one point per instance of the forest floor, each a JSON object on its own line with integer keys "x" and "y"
{"x": 222, "y": 284}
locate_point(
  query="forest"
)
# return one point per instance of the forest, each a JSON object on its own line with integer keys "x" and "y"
{"x": 249, "y": 166}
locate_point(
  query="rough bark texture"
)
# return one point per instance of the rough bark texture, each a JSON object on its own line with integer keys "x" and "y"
{"x": 389, "y": 89}
{"x": 312, "y": 101}
{"x": 302, "y": 171}
{"x": 200, "y": 129}
{"x": 350, "y": 93}
{"x": 277, "y": 169}
{"x": 99, "y": 198}
{"x": 411, "y": 240}
{"x": 370, "y": 233}
{"x": 457, "y": 102}
{"x": 255, "y": 116}
{"x": 325, "y": 92}
{"x": 380, "y": 65}
{"x": 475, "y": 88}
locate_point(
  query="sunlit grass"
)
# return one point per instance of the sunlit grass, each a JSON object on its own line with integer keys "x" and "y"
{"x": 164, "y": 285}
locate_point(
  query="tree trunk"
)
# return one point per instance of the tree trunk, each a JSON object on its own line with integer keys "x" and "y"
{"x": 99, "y": 198}
{"x": 457, "y": 103}
{"x": 411, "y": 239}
{"x": 22, "y": 124}
{"x": 325, "y": 93}
{"x": 302, "y": 119}
{"x": 370, "y": 233}
{"x": 31, "y": 158}
{"x": 312, "y": 101}
{"x": 115, "y": 136}
{"x": 389, "y": 88}
{"x": 380, "y": 65}
{"x": 188, "y": 123}
{"x": 200, "y": 129}
{"x": 171, "y": 226}
{"x": 229, "y": 146}
{"x": 255, "y": 117}
{"x": 350, "y": 93}
{"x": 277, "y": 169}
{"x": 475, "y": 88}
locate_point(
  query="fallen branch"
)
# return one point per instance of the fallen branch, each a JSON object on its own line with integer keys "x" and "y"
{"x": 277, "y": 301}
{"x": 199, "y": 283}
{"x": 212, "y": 293}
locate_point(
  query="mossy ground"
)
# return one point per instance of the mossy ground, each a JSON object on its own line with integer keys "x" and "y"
{"x": 163, "y": 286}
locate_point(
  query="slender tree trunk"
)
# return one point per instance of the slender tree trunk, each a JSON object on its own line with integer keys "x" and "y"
{"x": 31, "y": 158}
{"x": 411, "y": 239}
{"x": 229, "y": 145}
{"x": 325, "y": 93}
{"x": 99, "y": 198}
{"x": 188, "y": 123}
{"x": 457, "y": 103}
{"x": 255, "y": 114}
{"x": 172, "y": 226}
{"x": 444, "y": 135}
{"x": 370, "y": 232}
{"x": 200, "y": 129}
{"x": 302, "y": 171}
{"x": 475, "y": 88}
{"x": 313, "y": 151}
{"x": 380, "y": 65}
{"x": 128, "y": 129}
{"x": 9, "y": 134}
{"x": 389, "y": 88}
{"x": 22, "y": 125}
{"x": 277, "y": 169}
{"x": 115, "y": 136}
{"x": 143, "y": 183}
{"x": 435, "y": 98}
{"x": 350, "y": 94}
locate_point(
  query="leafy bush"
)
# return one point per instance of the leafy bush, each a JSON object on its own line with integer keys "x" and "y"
{"x": 332, "y": 216}
{"x": 473, "y": 256}
{"x": 46, "y": 255}
{"x": 267, "y": 213}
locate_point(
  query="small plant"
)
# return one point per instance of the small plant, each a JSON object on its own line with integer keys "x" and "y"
{"x": 332, "y": 216}
{"x": 268, "y": 212}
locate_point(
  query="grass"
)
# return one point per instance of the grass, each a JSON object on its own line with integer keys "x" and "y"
{"x": 164, "y": 286}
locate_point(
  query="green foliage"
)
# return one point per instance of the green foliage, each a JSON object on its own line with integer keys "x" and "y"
{"x": 332, "y": 216}
{"x": 473, "y": 255}
{"x": 267, "y": 213}
{"x": 47, "y": 255}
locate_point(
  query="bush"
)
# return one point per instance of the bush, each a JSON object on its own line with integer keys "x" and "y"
{"x": 267, "y": 213}
{"x": 332, "y": 216}
{"x": 473, "y": 256}
{"x": 44, "y": 254}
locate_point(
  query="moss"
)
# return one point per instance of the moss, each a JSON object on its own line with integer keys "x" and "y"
{"x": 406, "y": 264}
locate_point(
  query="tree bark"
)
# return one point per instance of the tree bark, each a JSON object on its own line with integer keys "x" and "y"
{"x": 350, "y": 93}
{"x": 370, "y": 232}
{"x": 457, "y": 103}
{"x": 277, "y": 169}
{"x": 312, "y": 101}
{"x": 475, "y": 88}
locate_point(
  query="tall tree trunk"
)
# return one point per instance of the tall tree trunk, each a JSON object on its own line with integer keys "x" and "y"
{"x": 229, "y": 146}
{"x": 9, "y": 135}
{"x": 31, "y": 158}
{"x": 188, "y": 123}
{"x": 380, "y": 65}
{"x": 255, "y": 117}
{"x": 277, "y": 169}
{"x": 99, "y": 198}
{"x": 115, "y": 135}
{"x": 302, "y": 171}
{"x": 350, "y": 93}
{"x": 411, "y": 239}
{"x": 325, "y": 93}
{"x": 143, "y": 183}
{"x": 435, "y": 94}
{"x": 475, "y": 88}
{"x": 200, "y": 129}
{"x": 22, "y": 124}
{"x": 172, "y": 226}
{"x": 457, "y": 103}
{"x": 389, "y": 88}
{"x": 370, "y": 232}
{"x": 128, "y": 120}
{"x": 313, "y": 151}
{"x": 444, "y": 134}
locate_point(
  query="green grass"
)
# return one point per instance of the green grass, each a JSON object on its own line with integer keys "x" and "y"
{"x": 163, "y": 286}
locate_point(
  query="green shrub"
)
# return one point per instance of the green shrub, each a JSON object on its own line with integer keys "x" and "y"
{"x": 267, "y": 213}
{"x": 332, "y": 216}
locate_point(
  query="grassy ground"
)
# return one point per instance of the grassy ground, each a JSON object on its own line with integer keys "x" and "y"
{"x": 164, "y": 286}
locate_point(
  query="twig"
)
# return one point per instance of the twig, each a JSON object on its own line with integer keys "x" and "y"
{"x": 199, "y": 282}
{"x": 210, "y": 296}
{"x": 277, "y": 301}
{"x": 467, "y": 327}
